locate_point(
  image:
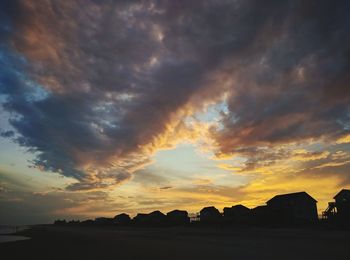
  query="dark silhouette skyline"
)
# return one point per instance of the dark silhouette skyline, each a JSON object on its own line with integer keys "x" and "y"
{"x": 296, "y": 209}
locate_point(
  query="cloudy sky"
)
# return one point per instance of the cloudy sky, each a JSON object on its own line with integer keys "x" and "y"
{"x": 131, "y": 106}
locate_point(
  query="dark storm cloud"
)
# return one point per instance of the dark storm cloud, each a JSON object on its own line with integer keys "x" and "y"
{"x": 295, "y": 84}
{"x": 101, "y": 79}
{"x": 7, "y": 134}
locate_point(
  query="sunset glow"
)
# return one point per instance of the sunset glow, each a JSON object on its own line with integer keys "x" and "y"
{"x": 134, "y": 106}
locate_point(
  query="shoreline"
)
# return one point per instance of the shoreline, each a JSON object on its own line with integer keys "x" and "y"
{"x": 12, "y": 238}
{"x": 10, "y": 233}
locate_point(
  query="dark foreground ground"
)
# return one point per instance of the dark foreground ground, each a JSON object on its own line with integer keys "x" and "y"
{"x": 50, "y": 242}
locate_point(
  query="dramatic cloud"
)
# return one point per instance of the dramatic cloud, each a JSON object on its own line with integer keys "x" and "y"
{"x": 7, "y": 134}
{"x": 292, "y": 85}
{"x": 95, "y": 87}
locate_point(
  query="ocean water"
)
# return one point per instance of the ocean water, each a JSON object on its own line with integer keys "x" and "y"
{"x": 7, "y": 229}
{"x": 4, "y": 230}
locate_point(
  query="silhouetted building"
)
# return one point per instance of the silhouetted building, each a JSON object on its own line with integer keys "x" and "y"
{"x": 59, "y": 222}
{"x": 88, "y": 222}
{"x": 122, "y": 219}
{"x": 73, "y": 222}
{"x": 293, "y": 208}
{"x": 342, "y": 201}
{"x": 103, "y": 221}
{"x": 339, "y": 211}
{"x": 237, "y": 214}
{"x": 261, "y": 215}
{"x": 155, "y": 218}
{"x": 209, "y": 215}
{"x": 178, "y": 217}
{"x": 140, "y": 219}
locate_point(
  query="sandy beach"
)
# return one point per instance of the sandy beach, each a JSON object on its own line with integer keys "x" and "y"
{"x": 50, "y": 242}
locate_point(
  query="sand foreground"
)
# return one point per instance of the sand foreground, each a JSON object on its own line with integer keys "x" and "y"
{"x": 50, "y": 242}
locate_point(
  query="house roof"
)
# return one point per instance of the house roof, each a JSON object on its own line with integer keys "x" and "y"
{"x": 156, "y": 213}
{"x": 237, "y": 207}
{"x": 177, "y": 211}
{"x": 121, "y": 215}
{"x": 343, "y": 192}
{"x": 210, "y": 208}
{"x": 289, "y": 196}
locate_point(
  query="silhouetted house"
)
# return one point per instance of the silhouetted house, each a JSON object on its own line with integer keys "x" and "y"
{"x": 339, "y": 210}
{"x": 261, "y": 215}
{"x": 210, "y": 215}
{"x": 237, "y": 214}
{"x": 140, "y": 219}
{"x": 155, "y": 218}
{"x": 59, "y": 222}
{"x": 74, "y": 222}
{"x": 122, "y": 219}
{"x": 104, "y": 221}
{"x": 88, "y": 222}
{"x": 342, "y": 201}
{"x": 293, "y": 208}
{"x": 178, "y": 217}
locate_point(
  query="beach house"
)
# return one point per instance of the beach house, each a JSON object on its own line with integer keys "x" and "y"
{"x": 293, "y": 208}
{"x": 237, "y": 214}
{"x": 122, "y": 219}
{"x": 342, "y": 201}
{"x": 209, "y": 215}
{"x": 178, "y": 217}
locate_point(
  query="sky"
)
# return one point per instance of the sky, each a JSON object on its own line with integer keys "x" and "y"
{"x": 133, "y": 106}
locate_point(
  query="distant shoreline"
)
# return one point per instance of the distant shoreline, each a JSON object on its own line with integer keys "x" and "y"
{"x": 12, "y": 238}
{"x": 9, "y": 233}
{"x": 11, "y": 229}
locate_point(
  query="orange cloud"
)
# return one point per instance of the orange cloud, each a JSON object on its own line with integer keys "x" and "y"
{"x": 344, "y": 139}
